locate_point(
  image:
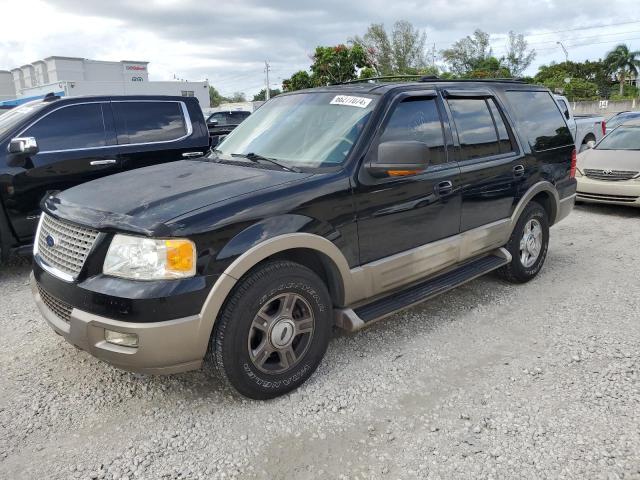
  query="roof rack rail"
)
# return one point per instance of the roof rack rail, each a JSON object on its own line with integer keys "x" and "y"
{"x": 430, "y": 78}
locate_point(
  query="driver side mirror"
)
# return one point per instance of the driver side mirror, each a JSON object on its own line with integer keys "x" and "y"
{"x": 23, "y": 146}
{"x": 398, "y": 159}
{"x": 213, "y": 123}
{"x": 590, "y": 144}
{"x": 567, "y": 115}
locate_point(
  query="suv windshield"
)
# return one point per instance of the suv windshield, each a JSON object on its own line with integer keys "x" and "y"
{"x": 302, "y": 130}
{"x": 14, "y": 116}
{"x": 625, "y": 137}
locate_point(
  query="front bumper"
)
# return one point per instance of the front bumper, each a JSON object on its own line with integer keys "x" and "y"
{"x": 166, "y": 347}
{"x": 625, "y": 192}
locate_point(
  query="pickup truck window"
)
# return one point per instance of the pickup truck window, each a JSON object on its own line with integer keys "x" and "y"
{"x": 309, "y": 130}
{"x": 149, "y": 122}
{"x": 70, "y": 128}
{"x": 417, "y": 119}
{"x": 476, "y": 130}
{"x": 228, "y": 118}
{"x": 540, "y": 119}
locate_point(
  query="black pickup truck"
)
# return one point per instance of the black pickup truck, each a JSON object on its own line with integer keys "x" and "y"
{"x": 335, "y": 206}
{"x": 222, "y": 123}
{"x": 53, "y": 144}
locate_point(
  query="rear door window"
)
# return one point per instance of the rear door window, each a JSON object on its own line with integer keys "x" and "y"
{"x": 476, "y": 130}
{"x": 75, "y": 127}
{"x": 149, "y": 122}
{"x": 417, "y": 119}
{"x": 539, "y": 119}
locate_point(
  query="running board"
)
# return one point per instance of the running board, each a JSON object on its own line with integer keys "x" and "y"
{"x": 355, "y": 319}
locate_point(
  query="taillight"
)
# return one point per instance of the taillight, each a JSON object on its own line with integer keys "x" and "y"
{"x": 604, "y": 127}
{"x": 574, "y": 163}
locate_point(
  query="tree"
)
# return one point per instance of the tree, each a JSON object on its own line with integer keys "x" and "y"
{"x": 215, "y": 98}
{"x": 596, "y": 73}
{"x": 298, "y": 81}
{"x": 262, "y": 95}
{"x": 518, "y": 56}
{"x": 490, "y": 67}
{"x": 331, "y": 65}
{"x": 338, "y": 64}
{"x": 238, "y": 97}
{"x": 623, "y": 63}
{"x": 468, "y": 53}
{"x": 399, "y": 53}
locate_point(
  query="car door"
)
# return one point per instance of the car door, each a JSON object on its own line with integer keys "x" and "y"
{"x": 397, "y": 214}
{"x": 491, "y": 168}
{"x": 76, "y": 145}
{"x": 154, "y": 131}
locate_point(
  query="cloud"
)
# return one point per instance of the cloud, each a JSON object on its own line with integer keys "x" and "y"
{"x": 227, "y": 42}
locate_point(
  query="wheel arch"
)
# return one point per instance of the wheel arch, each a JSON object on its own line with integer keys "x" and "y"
{"x": 544, "y": 193}
{"x": 315, "y": 252}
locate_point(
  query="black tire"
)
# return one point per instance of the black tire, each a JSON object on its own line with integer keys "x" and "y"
{"x": 516, "y": 271}
{"x": 230, "y": 344}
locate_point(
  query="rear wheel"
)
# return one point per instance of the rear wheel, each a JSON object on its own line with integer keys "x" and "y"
{"x": 528, "y": 245}
{"x": 273, "y": 330}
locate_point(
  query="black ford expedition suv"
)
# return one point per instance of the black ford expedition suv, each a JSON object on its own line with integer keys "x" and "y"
{"x": 332, "y": 206}
{"x": 53, "y": 144}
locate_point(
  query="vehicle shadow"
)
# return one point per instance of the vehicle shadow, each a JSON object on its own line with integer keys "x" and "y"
{"x": 603, "y": 209}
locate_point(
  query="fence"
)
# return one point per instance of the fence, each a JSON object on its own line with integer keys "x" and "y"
{"x": 605, "y": 107}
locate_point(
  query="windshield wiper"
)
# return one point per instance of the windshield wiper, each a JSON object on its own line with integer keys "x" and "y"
{"x": 255, "y": 157}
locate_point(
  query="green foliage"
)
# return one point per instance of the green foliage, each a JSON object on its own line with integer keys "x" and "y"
{"x": 623, "y": 63}
{"x": 215, "y": 99}
{"x": 588, "y": 80}
{"x": 468, "y": 53}
{"x": 576, "y": 89}
{"x": 298, "y": 81}
{"x": 330, "y": 65}
{"x": 629, "y": 92}
{"x": 490, "y": 67}
{"x": 518, "y": 56}
{"x": 262, "y": 95}
{"x": 402, "y": 52}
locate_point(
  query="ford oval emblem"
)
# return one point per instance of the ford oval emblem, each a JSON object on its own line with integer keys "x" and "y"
{"x": 51, "y": 241}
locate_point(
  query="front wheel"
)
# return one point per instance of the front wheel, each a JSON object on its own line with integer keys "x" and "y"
{"x": 273, "y": 330}
{"x": 528, "y": 245}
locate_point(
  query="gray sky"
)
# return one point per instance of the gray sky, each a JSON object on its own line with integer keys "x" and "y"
{"x": 227, "y": 42}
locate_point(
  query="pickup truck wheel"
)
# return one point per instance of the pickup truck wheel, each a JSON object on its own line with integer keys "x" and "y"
{"x": 528, "y": 245}
{"x": 273, "y": 330}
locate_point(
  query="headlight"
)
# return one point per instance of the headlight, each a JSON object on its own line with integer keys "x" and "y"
{"x": 140, "y": 258}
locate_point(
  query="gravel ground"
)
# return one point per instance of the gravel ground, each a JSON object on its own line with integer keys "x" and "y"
{"x": 488, "y": 381}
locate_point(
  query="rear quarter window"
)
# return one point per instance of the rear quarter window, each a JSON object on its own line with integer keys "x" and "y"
{"x": 539, "y": 119}
{"x": 149, "y": 122}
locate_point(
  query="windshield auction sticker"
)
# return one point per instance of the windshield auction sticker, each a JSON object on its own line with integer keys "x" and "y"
{"x": 349, "y": 101}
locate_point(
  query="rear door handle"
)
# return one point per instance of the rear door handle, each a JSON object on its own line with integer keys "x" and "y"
{"x": 192, "y": 154}
{"x": 518, "y": 170}
{"x": 95, "y": 163}
{"x": 444, "y": 188}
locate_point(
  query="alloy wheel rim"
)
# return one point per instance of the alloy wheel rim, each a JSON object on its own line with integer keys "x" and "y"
{"x": 531, "y": 243}
{"x": 280, "y": 333}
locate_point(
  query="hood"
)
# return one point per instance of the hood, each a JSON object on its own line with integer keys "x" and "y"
{"x": 143, "y": 200}
{"x": 610, "y": 159}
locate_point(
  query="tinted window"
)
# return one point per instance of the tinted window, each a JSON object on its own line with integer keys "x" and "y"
{"x": 539, "y": 119}
{"x": 476, "y": 131}
{"x": 506, "y": 145}
{"x": 418, "y": 120}
{"x": 74, "y": 127}
{"x": 229, "y": 118}
{"x": 144, "y": 122}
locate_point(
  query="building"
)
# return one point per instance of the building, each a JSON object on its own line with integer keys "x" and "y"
{"x": 72, "y": 77}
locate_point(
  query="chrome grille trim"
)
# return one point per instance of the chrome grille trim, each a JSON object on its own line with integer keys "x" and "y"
{"x": 72, "y": 246}
{"x": 613, "y": 176}
{"x": 59, "y": 308}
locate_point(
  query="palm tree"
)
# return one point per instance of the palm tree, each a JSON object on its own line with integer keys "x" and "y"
{"x": 623, "y": 62}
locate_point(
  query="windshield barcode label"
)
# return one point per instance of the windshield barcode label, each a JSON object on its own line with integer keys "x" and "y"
{"x": 360, "y": 102}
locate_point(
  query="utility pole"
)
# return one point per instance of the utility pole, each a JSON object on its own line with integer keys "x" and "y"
{"x": 267, "y": 67}
{"x": 566, "y": 53}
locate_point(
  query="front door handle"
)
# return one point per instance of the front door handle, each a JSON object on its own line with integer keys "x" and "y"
{"x": 518, "y": 170}
{"x": 95, "y": 163}
{"x": 192, "y": 154}
{"x": 444, "y": 188}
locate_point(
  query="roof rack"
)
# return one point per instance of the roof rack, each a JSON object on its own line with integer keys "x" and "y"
{"x": 51, "y": 97}
{"x": 431, "y": 78}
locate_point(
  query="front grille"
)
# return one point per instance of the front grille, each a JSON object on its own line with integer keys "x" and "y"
{"x": 610, "y": 175}
{"x": 63, "y": 245}
{"x": 58, "y": 307}
{"x": 609, "y": 198}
